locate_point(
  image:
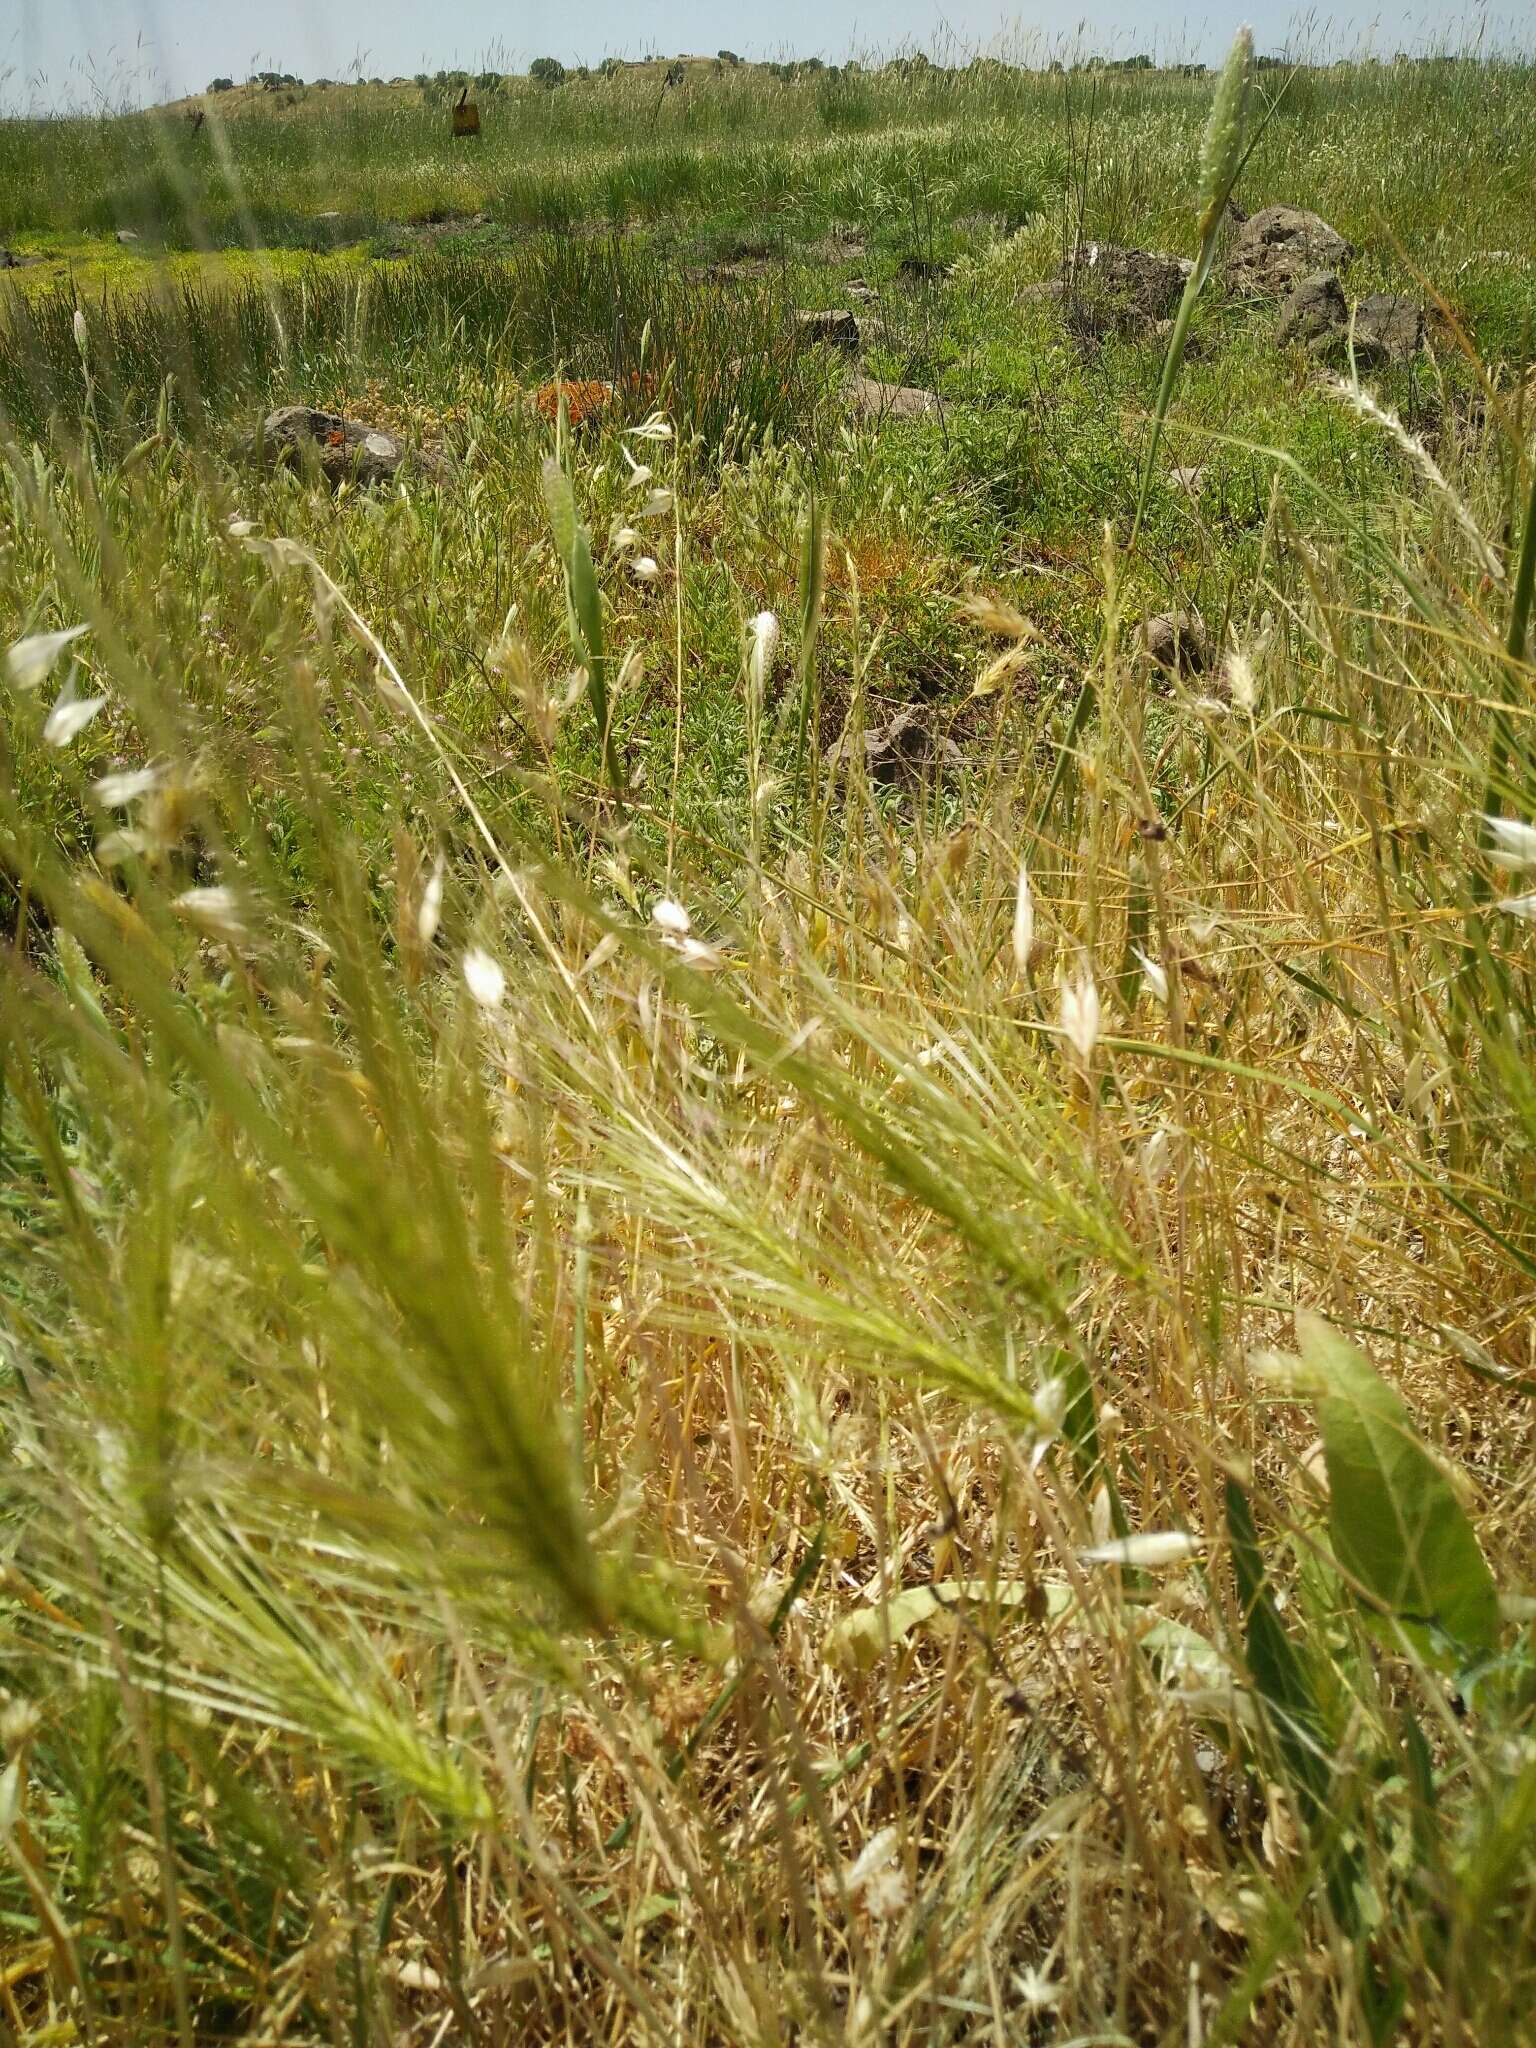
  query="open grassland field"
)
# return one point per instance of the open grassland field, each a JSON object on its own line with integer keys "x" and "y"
{"x": 767, "y": 1123}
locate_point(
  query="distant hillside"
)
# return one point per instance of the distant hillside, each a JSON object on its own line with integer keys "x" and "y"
{"x": 270, "y": 92}
{"x": 273, "y": 91}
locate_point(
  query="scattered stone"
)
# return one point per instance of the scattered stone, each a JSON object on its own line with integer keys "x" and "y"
{"x": 871, "y": 400}
{"x": 837, "y": 329}
{"x": 739, "y": 270}
{"x": 1280, "y": 246}
{"x": 345, "y": 451}
{"x": 862, "y": 294}
{"x": 434, "y": 226}
{"x": 838, "y": 248}
{"x": 1153, "y": 279}
{"x": 1176, "y": 641}
{"x": 1049, "y": 292}
{"x": 1315, "y": 311}
{"x": 125, "y": 235}
{"x": 900, "y": 745}
{"x": 1113, "y": 290}
{"x": 1388, "y": 329}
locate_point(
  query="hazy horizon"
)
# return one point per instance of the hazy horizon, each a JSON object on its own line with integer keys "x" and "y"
{"x": 135, "y": 52}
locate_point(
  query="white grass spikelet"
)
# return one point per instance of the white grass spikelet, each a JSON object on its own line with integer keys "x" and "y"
{"x": 878, "y": 1875}
{"x": 116, "y": 791}
{"x": 483, "y": 978}
{"x": 765, "y": 645}
{"x": 1023, "y": 922}
{"x": 215, "y": 911}
{"x": 1080, "y": 1013}
{"x": 1514, "y": 843}
{"x": 1153, "y": 974}
{"x": 70, "y": 715}
{"x": 31, "y": 661}
{"x": 669, "y": 916}
{"x": 1153, "y": 1548}
{"x": 429, "y": 911}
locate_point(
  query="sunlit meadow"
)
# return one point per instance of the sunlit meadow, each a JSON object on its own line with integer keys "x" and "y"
{"x": 754, "y": 1291}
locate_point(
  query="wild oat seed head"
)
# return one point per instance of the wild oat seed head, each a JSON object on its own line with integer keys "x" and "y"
{"x": 1153, "y": 974}
{"x": 1513, "y": 843}
{"x": 1023, "y": 922}
{"x": 70, "y": 715}
{"x": 669, "y": 916}
{"x": 483, "y": 978}
{"x": 1080, "y": 1013}
{"x": 31, "y": 661}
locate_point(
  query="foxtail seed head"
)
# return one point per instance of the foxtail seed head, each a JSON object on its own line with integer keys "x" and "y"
{"x": 1222, "y": 149}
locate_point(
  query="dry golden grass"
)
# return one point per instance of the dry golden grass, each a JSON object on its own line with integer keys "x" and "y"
{"x": 643, "y": 1419}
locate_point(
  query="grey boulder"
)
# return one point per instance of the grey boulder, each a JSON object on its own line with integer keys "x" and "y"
{"x": 1110, "y": 289}
{"x": 343, "y": 450}
{"x": 1314, "y": 313}
{"x": 871, "y": 400}
{"x": 1278, "y": 247}
{"x": 1385, "y": 328}
{"x": 836, "y": 329}
{"x": 1176, "y": 641}
{"x": 1388, "y": 329}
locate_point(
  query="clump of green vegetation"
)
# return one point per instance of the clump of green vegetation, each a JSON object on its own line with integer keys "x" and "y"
{"x": 749, "y": 1290}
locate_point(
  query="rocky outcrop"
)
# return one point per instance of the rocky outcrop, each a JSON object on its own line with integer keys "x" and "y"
{"x": 838, "y": 328}
{"x": 870, "y": 400}
{"x": 1278, "y": 247}
{"x": 1384, "y": 328}
{"x": 343, "y": 450}
{"x": 1109, "y": 289}
{"x": 1314, "y": 313}
{"x": 1176, "y": 641}
{"x": 1388, "y": 329}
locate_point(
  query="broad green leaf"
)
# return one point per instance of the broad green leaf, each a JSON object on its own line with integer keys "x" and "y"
{"x": 1398, "y": 1528}
{"x": 1280, "y": 1676}
{"x": 584, "y": 602}
{"x": 560, "y": 503}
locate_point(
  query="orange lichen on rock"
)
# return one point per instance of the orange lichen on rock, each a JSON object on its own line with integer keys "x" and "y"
{"x": 585, "y": 398}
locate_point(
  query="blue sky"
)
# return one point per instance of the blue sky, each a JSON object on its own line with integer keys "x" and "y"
{"x": 63, "y": 51}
